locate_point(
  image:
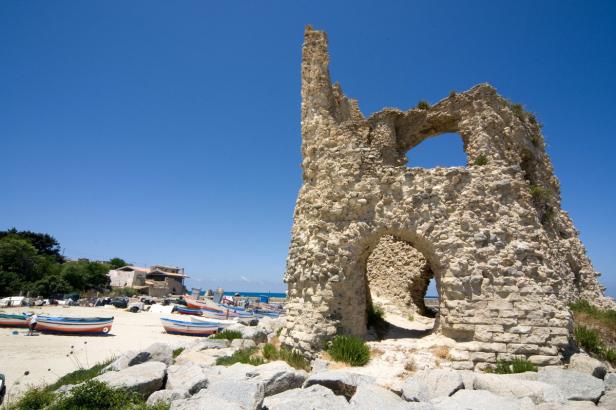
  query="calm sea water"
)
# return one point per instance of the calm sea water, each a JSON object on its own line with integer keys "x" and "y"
{"x": 257, "y": 294}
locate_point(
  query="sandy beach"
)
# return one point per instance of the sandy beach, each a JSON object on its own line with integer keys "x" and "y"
{"x": 45, "y": 356}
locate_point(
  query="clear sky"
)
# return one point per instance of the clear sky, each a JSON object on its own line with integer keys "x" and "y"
{"x": 169, "y": 132}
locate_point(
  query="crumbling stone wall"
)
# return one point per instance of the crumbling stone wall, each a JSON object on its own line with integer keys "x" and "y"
{"x": 398, "y": 276}
{"x": 505, "y": 257}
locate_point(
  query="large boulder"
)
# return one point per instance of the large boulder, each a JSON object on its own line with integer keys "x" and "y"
{"x": 341, "y": 383}
{"x": 415, "y": 390}
{"x": 610, "y": 381}
{"x": 243, "y": 343}
{"x": 189, "y": 376}
{"x": 166, "y": 396}
{"x": 277, "y": 377}
{"x": 567, "y": 405}
{"x": 371, "y": 397}
{"x": 503, "y": 385}
{"x": 433, "y": 383}
{"x": 583, "y": 363}
{"x": 480, "y": 400}
{"x": 143, "y": 378}
{"x": 158, "y": 352}
{"x": 204, "y": 357}
{"x": 247, "y": 394}
{"x": 205, "y": 402}
{"x": 574, "y": 385}
{"x": 608, "y": 400}
{"x": 315, "y": 397}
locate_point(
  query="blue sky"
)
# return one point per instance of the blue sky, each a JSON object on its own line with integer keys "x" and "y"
{"x": 168, "y": 132}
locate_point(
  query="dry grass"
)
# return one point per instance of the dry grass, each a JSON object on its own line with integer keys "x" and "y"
{"x": 410, "y": 366}
{"x": 442, "y": 352}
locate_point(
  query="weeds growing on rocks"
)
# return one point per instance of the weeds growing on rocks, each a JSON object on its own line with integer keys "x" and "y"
{"x": 293, "y": 358}
{"x": 349, "y": 349}
{"x": 246, "y": 356}
{"x": 227, "y": 334}
{"x": 481, "y": 160}
{"x": 80, "y": 375}
{"x": 595, "y": 330}
{"x": 517, "y": 365}
{"x": 177, "y": 352}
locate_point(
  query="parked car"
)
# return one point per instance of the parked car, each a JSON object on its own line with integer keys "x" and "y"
{"x": 121, "y": 303}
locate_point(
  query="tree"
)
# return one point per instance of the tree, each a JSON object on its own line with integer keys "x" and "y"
{"x": 19, "y": 256}
{"x": 117, "y": 263}
{"x": 51, "y": 285}
{"x": 10, "y": 284}
{"x": 44, "y": 243}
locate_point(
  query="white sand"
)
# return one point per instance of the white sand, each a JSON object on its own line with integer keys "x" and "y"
{"x": 45, "y": 356}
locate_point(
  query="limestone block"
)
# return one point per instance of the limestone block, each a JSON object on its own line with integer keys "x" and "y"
{"x": 583, "y": 363}
{"x": 143, "y": 378}
{"x": 315, "y": 397}
{"x": 573, "y": 384}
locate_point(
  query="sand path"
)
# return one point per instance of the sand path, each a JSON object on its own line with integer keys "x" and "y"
{"x": 45, "y": 356}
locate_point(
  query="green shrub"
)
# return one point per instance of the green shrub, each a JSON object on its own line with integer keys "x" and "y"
{"x": 279, "y": 331}
{"x": 517, "y": 365}
{"x": 607, "y": 316}
{"x": 80, "y": 375}
{"x": 34, "y": 398}
{"x": 227, "y": 334}
{"x": 588, "y": 338}
{"x": 269, "y": 352}
{"x": 241, "y": 356}
{"x": 349, "y": 349}
{"x": 452, "y": 93}
{"x": 518, "y": 111}
{"x": 423, "y": 105}
{"x": 481, "y": 160}
{"x": 177, "y": 352}
{"x": 540, "y": 194}
{"x": 294, "y": 359}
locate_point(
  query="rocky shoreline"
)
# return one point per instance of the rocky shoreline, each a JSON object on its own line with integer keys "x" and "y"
{"x": 192, "y": 380}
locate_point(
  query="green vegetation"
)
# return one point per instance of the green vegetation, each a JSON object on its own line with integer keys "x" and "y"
{"x": 293, "y": 358}
{"x": 177, "y": 352}
{"x": 518, "y": 110}
{"x": 80, "y": 375}
{"x": 595, "y": 330}
{"x": 247, "y": 356}
{"x": 32, "y": 262}
{"x": 91, "y": 395}
{"x": 349, "y": 349}
{"x": 540, "y": 194}
{"x": 452, "y": 93}
{"x": 423, "y": 105}
{"x": 517, "y": 365}
{"x": 227, "y": 334}
{"x": 481, "y": 160}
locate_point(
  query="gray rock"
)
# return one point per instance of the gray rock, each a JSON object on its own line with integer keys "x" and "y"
{"x": 437, "y": 382}
{"x": 277, "y": 377}
{"x": 159, "y": 352}
{"x": 502, "y": 385}
{"x": 205, "y": 402}
{"x": 583, "y": 363}
{"x": 243, "y": 343}
{"x": 319, "y": 365}
{"x": 143, "y": 378}
{"x": 315, "y": 397}
{"x": 608, "y": 401}
{"x": 468, "y": 378}
{"x": 415, "y": 390}
{"x": 574, "y": 385}
{"x": 166, "y": 396}
{"x": 189, "y": 376}
{"x": 480, "y": 400}
{"x": 247, "y": 394}
{"x": 341, "y": 383}
{"x": 211, "y": 344}
{"x": 610, "y": 381}
{"x": 255, "y": 333}
{"x": 567, "y": 405}
{"x": 371, "y": 396}
{"x": 122, "y": 362}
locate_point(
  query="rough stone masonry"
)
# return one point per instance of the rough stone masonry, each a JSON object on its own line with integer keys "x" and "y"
{"x": 506, "y": 259}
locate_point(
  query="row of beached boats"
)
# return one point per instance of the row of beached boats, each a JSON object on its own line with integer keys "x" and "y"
{"x": 204, "y": 317}
{"x": 58, "y": 324}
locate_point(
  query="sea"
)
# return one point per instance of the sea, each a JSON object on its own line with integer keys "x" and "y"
{"x": 257, "y": 294}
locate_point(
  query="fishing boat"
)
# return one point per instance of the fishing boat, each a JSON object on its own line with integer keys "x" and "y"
{"x": 89, "y": 325}
{"x": 209, "y": 307}
{"x": 14, "y": 320}
{"x": 220, "y": 322}
{"x": 190, "y": 328}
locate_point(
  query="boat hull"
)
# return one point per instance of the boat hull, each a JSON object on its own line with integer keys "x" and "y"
{"x": 178, "y": 327}
{"x": 10, "y": 320}
{"x": 74, "y": 325}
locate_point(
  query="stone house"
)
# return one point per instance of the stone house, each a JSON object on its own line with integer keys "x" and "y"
{"x": 157, "y": 280}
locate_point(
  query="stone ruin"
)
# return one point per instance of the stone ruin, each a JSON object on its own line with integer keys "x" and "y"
{"x": 506, "y": 259}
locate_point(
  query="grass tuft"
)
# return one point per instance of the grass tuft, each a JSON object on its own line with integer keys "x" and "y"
{"x": 228, "y": 334}
{"x": 246, "y": 356}
{"x": 595, "y": 330}
{"x": 177, "y": 352}
{"x": 423, "y": 105}
{"x": 80, "y": 375}
{"x": 481, "y": 160}
{"x": 517, "y": 365}
{"x": 349, "y": 349}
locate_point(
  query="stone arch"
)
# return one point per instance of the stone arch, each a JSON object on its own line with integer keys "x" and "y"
{"x": 351, "y": 317}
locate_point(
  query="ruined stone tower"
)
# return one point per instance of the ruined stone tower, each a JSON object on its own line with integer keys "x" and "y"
{"x": 505, "y": 257}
